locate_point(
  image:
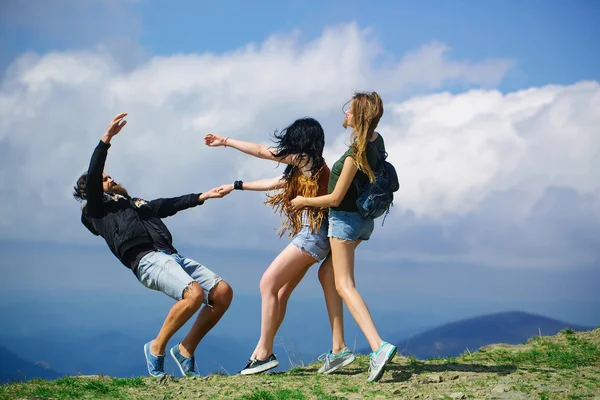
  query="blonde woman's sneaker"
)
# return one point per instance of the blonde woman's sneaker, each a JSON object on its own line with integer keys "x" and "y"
{"x": 332, "y": 362}
{"x": 257, "y": 366}
{"x": 379, "y": 360}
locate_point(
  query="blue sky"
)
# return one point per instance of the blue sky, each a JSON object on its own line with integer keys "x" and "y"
{"x": 552, "y": 41}
{"x": 491, "y": 118}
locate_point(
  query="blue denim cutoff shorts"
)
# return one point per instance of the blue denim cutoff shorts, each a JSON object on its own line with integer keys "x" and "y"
{"x": 349, "y": 226}
{"x": 172, "y": 273}
{"x": 315, "y": 244}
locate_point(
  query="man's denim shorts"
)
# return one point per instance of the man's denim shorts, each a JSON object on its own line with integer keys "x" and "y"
{"x": 349, "y": 226}
{"x": 172, "y": 274}
{"x": 315, "y": 244}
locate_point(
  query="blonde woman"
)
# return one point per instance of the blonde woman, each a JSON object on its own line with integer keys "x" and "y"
{"x": 347, "y": 229}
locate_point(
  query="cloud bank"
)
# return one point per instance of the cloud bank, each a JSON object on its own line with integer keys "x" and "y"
{"x": 486, "y": 177}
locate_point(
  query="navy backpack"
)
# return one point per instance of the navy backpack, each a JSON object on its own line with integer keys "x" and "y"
{"x": 375, "y": 199}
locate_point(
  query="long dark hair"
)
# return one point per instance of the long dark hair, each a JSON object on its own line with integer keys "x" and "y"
{"x": 306, "y": 139}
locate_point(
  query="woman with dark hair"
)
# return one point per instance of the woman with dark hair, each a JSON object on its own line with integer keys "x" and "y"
{"x": 300, "y": 146}
{"x": 347, "y": 228}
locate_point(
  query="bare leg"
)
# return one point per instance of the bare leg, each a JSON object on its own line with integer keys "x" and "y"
{"x": 286, "y": 266}
{"x": 220, "y": 297}
{"x": 178, "y": 315}
{"x": 284, "y": 295}
{"x": 334, "y": 305}
{"x": 342, "y": 252}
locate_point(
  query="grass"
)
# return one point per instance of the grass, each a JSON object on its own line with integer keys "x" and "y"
{"x": 562, "y": 367}
{"x": 73, "y": 387}
{"x": 570, "y": 353}
{"x": 282, "y": 394}
{"x": 350, "y": 389}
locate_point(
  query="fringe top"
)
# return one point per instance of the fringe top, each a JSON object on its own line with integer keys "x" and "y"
{"x": 300, "y": 185}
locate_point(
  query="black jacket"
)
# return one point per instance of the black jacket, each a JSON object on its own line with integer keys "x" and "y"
{"x": 118, "y": 219}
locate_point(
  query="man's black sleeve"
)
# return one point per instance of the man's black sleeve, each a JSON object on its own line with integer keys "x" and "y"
{"x": 171, "y": 206}
{"x": 93, "y": 187}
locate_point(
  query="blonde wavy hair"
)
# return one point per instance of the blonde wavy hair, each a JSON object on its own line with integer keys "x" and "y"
{"x": 366, "y": 109}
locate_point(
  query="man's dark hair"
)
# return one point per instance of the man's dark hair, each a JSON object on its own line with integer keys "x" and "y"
{"x": 304, "y": 136}
{"x": 79, "y": 191}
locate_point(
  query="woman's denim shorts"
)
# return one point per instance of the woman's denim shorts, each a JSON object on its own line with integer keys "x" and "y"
{"x": 315, "y": 244}
{"x": 349, "y": 226}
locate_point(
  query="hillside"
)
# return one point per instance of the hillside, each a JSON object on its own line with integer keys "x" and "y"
{"x": 565, "y": 366}
{"x": 14, "y": 368}
{"x": 454, "y": 338}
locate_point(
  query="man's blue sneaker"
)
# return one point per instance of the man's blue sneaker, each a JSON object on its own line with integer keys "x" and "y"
{"x": 155, "y": 364}
{"x": 187, "y": 365}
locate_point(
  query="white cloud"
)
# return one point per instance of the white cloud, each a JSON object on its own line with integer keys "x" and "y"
{"x": 455, "y": 150}
{"x": 454, "y": 153}
{"x": 498, "y": 179}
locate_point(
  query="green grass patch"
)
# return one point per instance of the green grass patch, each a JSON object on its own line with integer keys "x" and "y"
{"x": 350, "y": 389}
{"x": 282, "y": 394}
{"x": 545, "y": 352}
{"x": 579, "y": 396}
{"x": 318, "y": 392}
{"x": 71, "y": 388}
{"x": 379, "y": 393}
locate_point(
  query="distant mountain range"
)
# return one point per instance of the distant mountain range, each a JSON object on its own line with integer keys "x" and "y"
{"x": 14, "y": 368}
{"x": 119, "y": 354}
{"x": 90, "y": 336}
{"x": 452, "y": 339}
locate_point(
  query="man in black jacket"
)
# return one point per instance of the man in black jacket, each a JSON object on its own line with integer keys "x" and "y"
{"x": 136, "y": 235}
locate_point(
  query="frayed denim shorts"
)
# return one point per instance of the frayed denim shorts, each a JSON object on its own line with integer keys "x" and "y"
{"x": 315, "y": 244}
{"x": 349, "y": 226}
{"x": 173, "y": 273}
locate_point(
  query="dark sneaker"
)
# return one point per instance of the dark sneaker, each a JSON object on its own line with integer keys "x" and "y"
{"x": 379, "y": 360}
{"x": 332, "y": 362}
{"x": 258, "y": 366}
{"x": 187, "y": 365}
{"x": 155, "y": 364}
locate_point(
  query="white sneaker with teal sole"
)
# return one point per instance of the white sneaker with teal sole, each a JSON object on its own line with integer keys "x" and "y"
{"x": 332, "y": 362}
{"x": 379, "y": 359}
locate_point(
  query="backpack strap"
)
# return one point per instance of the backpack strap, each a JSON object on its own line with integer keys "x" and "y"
{"x": 381, "y": 156}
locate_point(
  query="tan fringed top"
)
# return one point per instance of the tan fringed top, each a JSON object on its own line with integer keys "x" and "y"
{"x": 300, "y": 185}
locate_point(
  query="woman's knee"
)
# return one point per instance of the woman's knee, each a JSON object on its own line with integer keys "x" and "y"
{"x": 325, "y": 274}
{"x": 268, "y": 285}
{"x": 344, "y": 287}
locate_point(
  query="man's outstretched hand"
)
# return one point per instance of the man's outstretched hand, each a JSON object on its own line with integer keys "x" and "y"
{"x": 213, "y": 193}
{"x": 115, "y": 127}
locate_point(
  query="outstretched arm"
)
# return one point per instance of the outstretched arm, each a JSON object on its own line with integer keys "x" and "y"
{"x": 253, "y": 149}
{"x": 94, "y": 191}
{"x": 166, "y": 207}
{"x": 335, "y": 198}
{"x": 262, "y": 185}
